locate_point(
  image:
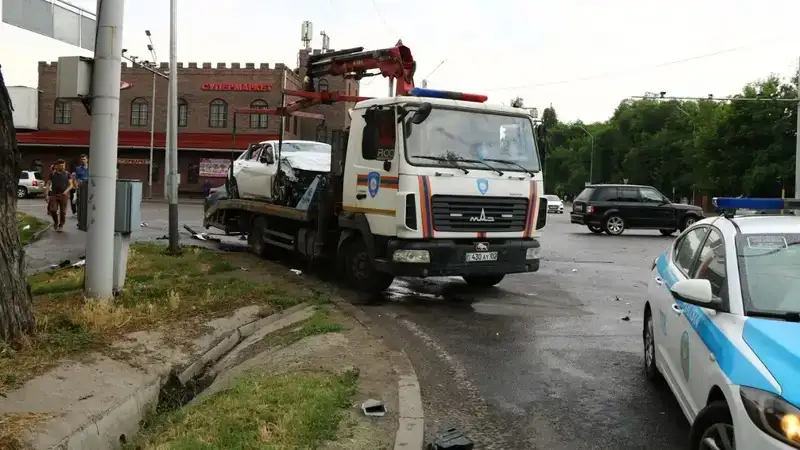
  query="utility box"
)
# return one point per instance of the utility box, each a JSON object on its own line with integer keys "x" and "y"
{"x": 128, "y": 211}
{"x": 74, "y": 80}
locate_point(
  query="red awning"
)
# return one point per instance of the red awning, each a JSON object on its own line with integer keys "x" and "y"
{"x": 127, "y": 139}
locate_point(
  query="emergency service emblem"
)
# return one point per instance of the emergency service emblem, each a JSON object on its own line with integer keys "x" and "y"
{"x": 483, "y": 185}
{"x": 685, "y": 354}
{"x": 373, "y": 183}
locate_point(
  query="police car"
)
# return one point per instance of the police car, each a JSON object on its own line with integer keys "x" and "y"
{"x": 722, "y": 326}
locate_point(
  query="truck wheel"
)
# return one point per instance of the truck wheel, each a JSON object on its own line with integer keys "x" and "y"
{"x": 485, "y": 281}
{"x": 361, "y": 273}
{"x": 255, "y": 239}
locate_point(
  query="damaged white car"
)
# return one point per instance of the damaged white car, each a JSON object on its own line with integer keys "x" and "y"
{"x": 254, "y": 175}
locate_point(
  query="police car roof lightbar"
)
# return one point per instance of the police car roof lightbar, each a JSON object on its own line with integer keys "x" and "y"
{"x": 451, "y": 95}
{"x": 777, "y": 204}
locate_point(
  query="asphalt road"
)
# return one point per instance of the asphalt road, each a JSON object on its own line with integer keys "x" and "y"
{"x": 545, "y": 360}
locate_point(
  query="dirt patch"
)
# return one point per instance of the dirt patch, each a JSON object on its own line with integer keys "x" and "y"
{"x": 29, "y": 227}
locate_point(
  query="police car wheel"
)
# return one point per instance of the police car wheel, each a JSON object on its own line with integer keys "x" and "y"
{"x": 650, "y": 369}
{"x": 614, "y": 225}
{"x": 713, "y": 428}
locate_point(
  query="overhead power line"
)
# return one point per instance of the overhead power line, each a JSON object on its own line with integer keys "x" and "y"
{"x": 636, "y": 69}
{"x": 723, "y": 99}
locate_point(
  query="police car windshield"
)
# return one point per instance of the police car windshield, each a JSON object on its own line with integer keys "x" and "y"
{"x": 769, "y": 266}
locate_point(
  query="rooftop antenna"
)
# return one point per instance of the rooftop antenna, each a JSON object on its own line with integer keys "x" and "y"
{"x": 326, "y": 41}
{"x": 306, "y": 30}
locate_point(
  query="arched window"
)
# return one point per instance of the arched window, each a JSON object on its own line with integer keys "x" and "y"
{"x": 63, "y": 112}
{"x": 258, "y": 120}
{"x": 322, "y": 85}
{"x": 218, "y": 114}
{"x": 140, "y": 112}
{"x": 183, "y": 112}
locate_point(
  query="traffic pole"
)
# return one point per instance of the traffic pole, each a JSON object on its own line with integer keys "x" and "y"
{"x": 103, "y": 142}
{"x": 152, "y": 136}
{"x": 174, "y": 237}
{"x": 797, "y": 145}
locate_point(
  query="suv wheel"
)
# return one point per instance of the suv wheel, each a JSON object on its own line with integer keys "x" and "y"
{"x": 667, "y": 232}
{"x": 614, "y": 225}
{"x": 687, "y": 222}
{"x": 595, "y": 229}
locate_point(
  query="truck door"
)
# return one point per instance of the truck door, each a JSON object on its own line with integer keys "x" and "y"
{"x": 374, "y": 182}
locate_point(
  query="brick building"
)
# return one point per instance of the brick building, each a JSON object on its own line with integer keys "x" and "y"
{"x": 207, "y": 98}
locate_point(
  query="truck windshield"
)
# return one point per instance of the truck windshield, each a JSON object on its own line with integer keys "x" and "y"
{"x": 460, "y": 136}
{"x": 769, "y": 266}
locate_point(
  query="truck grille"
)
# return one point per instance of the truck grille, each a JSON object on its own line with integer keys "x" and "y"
{"x": 463, "y": 213}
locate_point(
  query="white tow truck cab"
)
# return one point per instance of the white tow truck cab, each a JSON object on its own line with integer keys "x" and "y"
{"x": 434, "y": 183}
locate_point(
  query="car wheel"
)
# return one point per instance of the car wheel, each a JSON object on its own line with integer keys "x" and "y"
{"x": 667, "y": 232}
{"x": 713, "y": 428}
{"x": 614, "y": 225}
{"x": 687, "y": 222}
{"x": 594, "y": 229}
{"x": 22, "y": 192}
{"x": 483, "y": 281}
{"x": 650, "y": 369}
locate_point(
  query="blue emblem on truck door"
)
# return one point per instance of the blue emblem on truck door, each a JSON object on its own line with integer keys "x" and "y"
{"x": 373, "y": 183}
{"x": 483, "y": 185}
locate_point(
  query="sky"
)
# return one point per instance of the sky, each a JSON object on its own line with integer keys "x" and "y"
{"x": 581, "y": 56}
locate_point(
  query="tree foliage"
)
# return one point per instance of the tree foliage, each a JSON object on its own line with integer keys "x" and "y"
{"x": 715, "y": 148}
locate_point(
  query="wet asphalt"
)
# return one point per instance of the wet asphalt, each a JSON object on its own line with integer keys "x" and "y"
{"x": 544, "y": 360}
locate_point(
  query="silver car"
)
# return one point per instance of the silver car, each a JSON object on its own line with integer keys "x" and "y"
{"x": 554, "y": 204}
{"x": 30, "y": 183}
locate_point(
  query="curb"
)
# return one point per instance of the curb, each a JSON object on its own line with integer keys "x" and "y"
{"x": 122, "y": 421}
{"x": 411, "y": 422}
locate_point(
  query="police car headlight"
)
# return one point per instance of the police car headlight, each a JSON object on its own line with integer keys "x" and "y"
{"x": 411, "y": 256}
{"x": 772, "y": 415}
{"x": 533, "y": 253}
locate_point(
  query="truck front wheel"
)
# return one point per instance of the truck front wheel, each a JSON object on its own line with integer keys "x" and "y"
{"x": 255, "y": 237}
{"x": 361, "y": 273}
{"x": 484, "y": 281}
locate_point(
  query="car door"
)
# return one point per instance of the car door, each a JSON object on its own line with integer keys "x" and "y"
{"x": 696, "y": 360}
{"x": 657, "y": 211}
{"x": 670, "y": 316}
{"x": 629, "y": 204}
{"x": 247, "y": 172}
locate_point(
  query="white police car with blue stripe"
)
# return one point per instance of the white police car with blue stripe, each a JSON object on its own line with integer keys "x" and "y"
{"x": 722, "y": 326}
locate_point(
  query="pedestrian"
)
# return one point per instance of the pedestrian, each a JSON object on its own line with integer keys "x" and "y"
{"x": 57, "y": 189}
{"x": 81, "y": 174}
{"x": 207, "y": 188}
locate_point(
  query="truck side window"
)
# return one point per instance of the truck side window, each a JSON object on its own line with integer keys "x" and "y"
{"x": 384, "y": 121}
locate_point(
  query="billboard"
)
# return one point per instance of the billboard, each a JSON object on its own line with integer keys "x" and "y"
{"x": 55, "y": 19}
{"x": 214, "y": 167}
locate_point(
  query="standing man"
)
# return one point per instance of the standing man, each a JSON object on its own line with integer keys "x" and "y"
{"x": 57, "y": 190}
{"x": 81, "y": 174}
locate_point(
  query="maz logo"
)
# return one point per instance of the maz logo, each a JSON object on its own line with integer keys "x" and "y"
{"x": 482, "y": 217}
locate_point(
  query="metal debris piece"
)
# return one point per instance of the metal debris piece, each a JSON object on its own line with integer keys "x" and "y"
{"x": 373, "y": 408}
{"x": 78, "y": 264}
{"x": 26, "y": 227}
{"x": 626, "y": 318}
{"x": 296, "y": 271}
{"x": 452, "y": 439}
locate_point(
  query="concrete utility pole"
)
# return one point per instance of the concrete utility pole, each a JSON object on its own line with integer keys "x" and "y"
{"x": 172, "y": 145}
{"x": 797, "y": 146}
{"x": 103, "y": 147}
{"x": 591, "y": 154}
{"x": 154, "y": 56}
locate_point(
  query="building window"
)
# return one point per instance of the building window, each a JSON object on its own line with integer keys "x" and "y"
{"x": 322, "y": 85}
{"x": 63, "y": 112}
{"x": 140, "y": 112}
{"x": 183, "y": 113}
{"x": 218, "y": 115}
{"x": 258, "y": 120}
{"x": 193, "y": 174}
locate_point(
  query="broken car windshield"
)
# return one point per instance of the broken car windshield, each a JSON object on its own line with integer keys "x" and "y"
{"x": 472, "y": 137}
{"x": 314, "y": 147}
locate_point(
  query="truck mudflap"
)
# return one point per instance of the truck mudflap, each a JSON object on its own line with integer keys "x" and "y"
{"x": 445, "y": 257}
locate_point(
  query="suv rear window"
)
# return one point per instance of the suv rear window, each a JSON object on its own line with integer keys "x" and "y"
{"x": 585, "y": 195}
{"x": 607, "y": 194}
{"x": 38, "y": 175}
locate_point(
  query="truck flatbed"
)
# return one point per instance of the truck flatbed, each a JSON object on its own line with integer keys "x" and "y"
{"x": 218, "y": 214}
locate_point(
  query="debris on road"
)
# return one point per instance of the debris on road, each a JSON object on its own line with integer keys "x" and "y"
{"x": 200, "y": 236}
{"x": 78, "y": 264}
{"x": 26, "y": 227}
{"x": 626, "y": 318}
{"x": 373, "y": 408}
{"x": 296, "y": 271}
{"x": 452, "y": 439}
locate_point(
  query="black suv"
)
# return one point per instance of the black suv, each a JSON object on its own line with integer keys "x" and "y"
{"x": 613, "y": 208}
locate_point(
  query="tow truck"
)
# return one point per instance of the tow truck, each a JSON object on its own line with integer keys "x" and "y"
{"x": 423, "y": 183}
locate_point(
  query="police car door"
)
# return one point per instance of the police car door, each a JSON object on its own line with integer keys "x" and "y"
{"x": 676, "y": 330}
{"x": 696, "y": 359}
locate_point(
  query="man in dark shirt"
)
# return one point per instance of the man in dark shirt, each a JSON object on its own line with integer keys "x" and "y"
{"x": 57, "y": 191}
{"x": 81, "y": 174}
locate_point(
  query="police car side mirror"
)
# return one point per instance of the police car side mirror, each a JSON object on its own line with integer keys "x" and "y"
{"x": 696, "y": 292}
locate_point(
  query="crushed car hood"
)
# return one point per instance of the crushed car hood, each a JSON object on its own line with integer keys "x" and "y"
{"x": 311, "y": 161}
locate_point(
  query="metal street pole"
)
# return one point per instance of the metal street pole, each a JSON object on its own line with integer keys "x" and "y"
{"x": 797, "y": 145}
{"x": 152, "y": 117}
{"x": 591, "y": 154}
{"x": 103, "y": 149}
{"x": 172, "y": 107}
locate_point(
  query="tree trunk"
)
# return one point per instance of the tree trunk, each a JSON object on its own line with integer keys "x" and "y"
{"x": 16, "y": 315}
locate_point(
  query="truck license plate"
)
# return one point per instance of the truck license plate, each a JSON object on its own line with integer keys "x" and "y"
{"x": 481, "y": 256}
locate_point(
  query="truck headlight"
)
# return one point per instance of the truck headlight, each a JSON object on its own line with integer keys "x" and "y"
{"x": 772, "y": 415}
{"x": 411, "y": 256}
{"x": 533, "y": 252}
